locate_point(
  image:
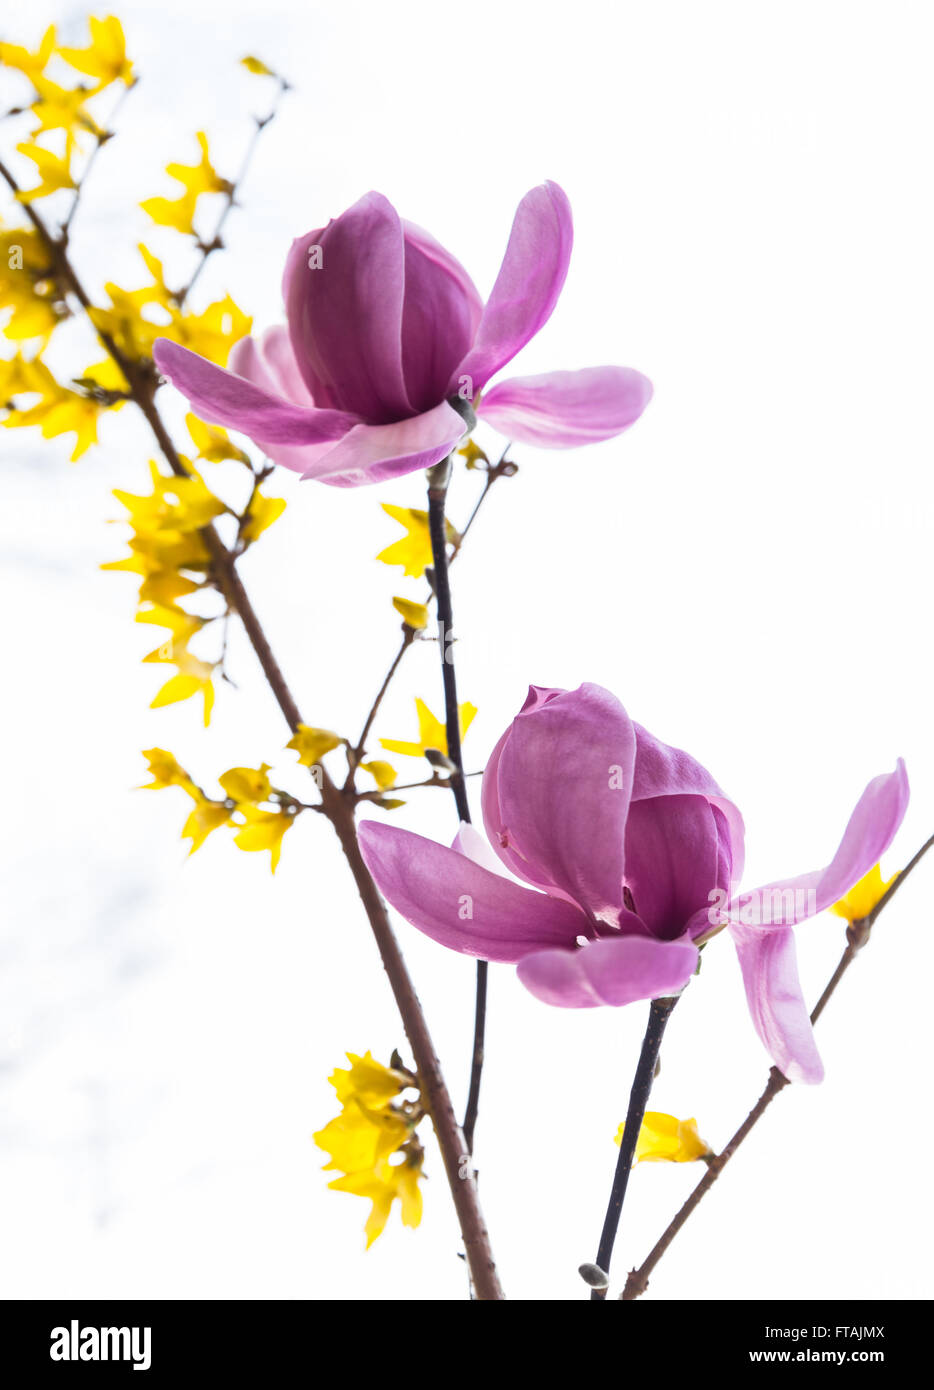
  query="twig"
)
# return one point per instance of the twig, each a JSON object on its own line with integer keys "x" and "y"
{"x": 356, "y": 753}
{"x": 500, "y": 470}
{"x": 100, "y": 142}
{"x": 438, "y": 478}
{"x": 660, "y": 1011}
{"x": 215, "y": 244}
{"x": 857, "y": 936}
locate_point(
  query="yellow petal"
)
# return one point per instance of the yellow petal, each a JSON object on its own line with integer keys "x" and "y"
{"x": 383, "y": 773}
{"x": 431, "y": 732}
{"x": 414, "y": 614}
{"x": 666, "y": 1139}
{"x": 207, "y": 816}
{"x": 863, "y": 896}
{"x": 263, "y": 830}
{"x": 247, "y": 784}
{"x": 311, "y": 744}
{"x": 368, "y": 1081}
{"x": 257, "y": 66}
{"x": 262, "y": 513}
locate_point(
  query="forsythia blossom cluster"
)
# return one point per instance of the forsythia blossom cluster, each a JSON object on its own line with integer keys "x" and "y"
{"x": 169, "y": 553}
{"x": 373, "y": 1143}
{"x": 62, "y": 91}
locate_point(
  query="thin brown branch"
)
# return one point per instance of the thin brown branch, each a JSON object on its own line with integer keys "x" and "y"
{"x": 230, "y": 197}
{"x": 857, "y": 937}
{"x": 338, "y": 808}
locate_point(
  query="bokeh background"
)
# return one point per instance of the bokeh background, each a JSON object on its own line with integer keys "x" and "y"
{"x": 749, "y": 570}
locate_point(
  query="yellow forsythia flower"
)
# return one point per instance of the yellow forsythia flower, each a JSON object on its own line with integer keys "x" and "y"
{"x": 105, "y": 58}
{"x": 383, "y": 1186}
{"x": 57, "y": 108}
{"x": 263, "y": 830}
{"x": 247, "y": 785}
{"x": 415, "y": 615}
{"x": 213, "y": 443}
{"x": 53, "y": 170}
{"x": 383, "y": 773}
{"x": 431, "y": 732}
{"x": 27, "y": 288}
{"x": 413, "y": 551}
{"x": 665, "y": 1139}
{"x": 473, "y": 454}
{"x": 195, "y": 179}
{"x": 368, "y": 1081}
{"x": 166, "y": 771}
{"x": 58, "y": 410}
{"x": 863, "y": 896}
{"x": 367, "y": 1132}
{"x": 207, "y": 815}
{"x": 359, "y": 1138}
{"x": 260, "y": 514}
{"x": 257, "y": 66}
{"x": 32, "y": 64}
{"x": 194, "y": 677}
{"x": 311, "y": 744}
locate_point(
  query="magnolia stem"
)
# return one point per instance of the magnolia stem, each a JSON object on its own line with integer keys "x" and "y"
{"x": 659, "y": 1013}
{"x": 857, "y": 936}
{"x": 438, "y": 478}
{"x": 338, "y": 808}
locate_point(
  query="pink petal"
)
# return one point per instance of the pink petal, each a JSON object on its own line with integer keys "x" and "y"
{"x": 526, "y": 290}
{"x": 869, "y": 832}
{"x": 561, "y": 410}
{"x": 222, "y": 398}
{"x": 372, "y": 453}
{"x": 673, "y": 861}
{"x": 776, "y": 1003}
{"x": 440, "y": 314}
{"x": 613, "y": 971}
{"x": 556, "y": 795}
{"x": 665, "y": 771}
{"x": 458, "y": 903}
{"x": 345, "y": 317}
{"x": 269, "y": 363}
{"x": 469, "y": 841}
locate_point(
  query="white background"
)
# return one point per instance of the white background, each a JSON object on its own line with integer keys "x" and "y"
{"x": 748, "y": 569}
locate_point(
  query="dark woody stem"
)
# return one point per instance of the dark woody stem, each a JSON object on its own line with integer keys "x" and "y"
{"x": 857, "y": 935}
{"x": 659, "y": 1013}
{"x": 438, "y": 478}
{"x": 336, "y": 806}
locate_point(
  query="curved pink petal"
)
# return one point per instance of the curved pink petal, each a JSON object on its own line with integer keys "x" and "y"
{"x": 343, "y": 290}
{"x": 869, "y": 832}
{"x": 613, "y": 971}
{"x": 527, "y": 287}
{"x": 458, "y": 903}
{"x": 563, "y": 778}
{"x": 372, "y": 453}
{"x": 469, "y": 841}
{"x": 673, "y": 860}
{"x": 222, "y": 398}
{"x": 441, "y": 311}
{"x": 773, "y": 991}
{"x": 269, "y": 362}
{"x": 561, "y": 410}
{"x": 665, "y": 771}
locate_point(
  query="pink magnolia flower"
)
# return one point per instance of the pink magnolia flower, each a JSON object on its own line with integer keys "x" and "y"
{"x": 626, "y": 843}
{"x": 388, "y": 344}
